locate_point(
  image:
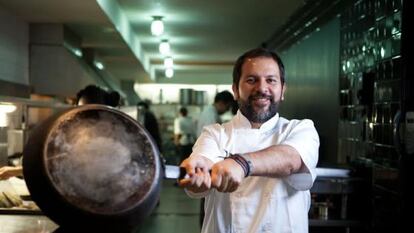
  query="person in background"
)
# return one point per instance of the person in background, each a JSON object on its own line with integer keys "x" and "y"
{"x": 262, "y": 165}
{"x": 148, "y": 119}
{"x": 91, "y": 94}
{"x": 234, "y": 108}
{"x": 211, "y": 114}
{"x": 184, "y": 133}
{"x": 223, "y": 101}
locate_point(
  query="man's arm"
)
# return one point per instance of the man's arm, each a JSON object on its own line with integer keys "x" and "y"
{"x": 275, "y": 161}
{"x": 297, "y": 153}
{"x": 8, "y": 171}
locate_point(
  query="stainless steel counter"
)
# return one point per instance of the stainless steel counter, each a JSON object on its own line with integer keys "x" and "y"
{"x": 26, "y": 224}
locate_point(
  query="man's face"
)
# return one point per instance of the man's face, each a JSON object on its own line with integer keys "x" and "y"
{"x": 260, "y": 89}
{"x": 222, "y": 107}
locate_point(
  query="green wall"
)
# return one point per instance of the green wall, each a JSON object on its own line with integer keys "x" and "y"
{"x": 312, "y": 68}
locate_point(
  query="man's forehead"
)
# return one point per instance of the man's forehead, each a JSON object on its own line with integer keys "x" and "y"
{"x": 267, "y": 65}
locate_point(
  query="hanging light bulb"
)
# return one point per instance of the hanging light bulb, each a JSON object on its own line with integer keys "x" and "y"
{"x": 168, "y": 62}
{"x": 164, "y": 47}
{"x": 157, "y": 26}
{"x": 169, "y": 72}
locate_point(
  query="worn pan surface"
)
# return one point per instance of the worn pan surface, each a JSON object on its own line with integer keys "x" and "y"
{"x": 93, "y": 165}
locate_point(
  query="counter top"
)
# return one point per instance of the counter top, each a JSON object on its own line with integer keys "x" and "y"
{"x": 26, "y": 224}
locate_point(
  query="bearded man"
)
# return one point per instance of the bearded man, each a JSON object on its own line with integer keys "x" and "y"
{"x": 256, "y": 170}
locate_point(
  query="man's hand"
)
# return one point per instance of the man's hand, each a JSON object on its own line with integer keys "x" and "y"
{"x": 226, "y": 175}
{"x": 198, "y": 171}
{"x": 6, "y": 172}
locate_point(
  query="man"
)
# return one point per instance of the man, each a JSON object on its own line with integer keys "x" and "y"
{"x": 263, "y": 184}
{"x": 93, "y": 94}
{"x": 184, "y": 133}
{"x": 148, "y": 119}
{"x": 211, "y": 114}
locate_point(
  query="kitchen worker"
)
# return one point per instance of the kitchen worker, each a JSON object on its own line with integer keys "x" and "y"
{"x": 211, "y": 113}
{"x": 150, "y": 122}
{"x": 93, "y": 94}
{"x": 223, "y": 101}
{"x": 262, "y": 165}
{"x": 184, "y": 133}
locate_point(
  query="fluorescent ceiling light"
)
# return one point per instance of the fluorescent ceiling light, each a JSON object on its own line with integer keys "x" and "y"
{"x": 168, "y": 62}
{"x": 169, "y": 72}
{"x": 164, "y": 47}
{"x": 7, "y": 108}
{"x": 157, "y": 26}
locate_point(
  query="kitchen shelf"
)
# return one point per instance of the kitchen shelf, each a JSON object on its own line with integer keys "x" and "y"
{"x": 383, "y": 145}
{"x": 386, "y": 190}
{"x": 351, "y": 139}
{"x": 387, "y": 81}
{"x": 334, "y": 223}
{"x": 34, "y": 103}
{"x": 386, "y": 102}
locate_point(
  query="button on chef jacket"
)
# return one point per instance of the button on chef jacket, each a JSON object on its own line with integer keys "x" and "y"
{"x": 260, "y": 204}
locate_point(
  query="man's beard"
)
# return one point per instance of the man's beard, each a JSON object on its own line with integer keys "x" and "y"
{"x": 246, "y": 107}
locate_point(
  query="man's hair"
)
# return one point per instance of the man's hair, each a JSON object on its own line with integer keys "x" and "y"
{"x": 183, "y": 111}
{"x": 224, "y": 96}
{"x": 143, "y": 104}
{"x": 95, "y": 95}
{"x": 254, "y": 53}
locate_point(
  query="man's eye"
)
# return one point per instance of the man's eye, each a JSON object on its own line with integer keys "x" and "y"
{"x": 250, "y": 80}
{"x": 272, "y": 81}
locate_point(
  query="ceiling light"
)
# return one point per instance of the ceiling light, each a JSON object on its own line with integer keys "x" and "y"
{"x": 168, "y": 62}
{"x": 78, "y": 52}
{"x": 164, "y": 47}
{"x": 7, "y": 108}
{"x": 157, "y": 26}
{"x": 99, "y": 65}
{"x": 169, "y": 72}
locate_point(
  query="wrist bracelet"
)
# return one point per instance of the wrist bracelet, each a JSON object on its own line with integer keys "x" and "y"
{"x": 249, "y": 164}
{"x": 243, "y": 162}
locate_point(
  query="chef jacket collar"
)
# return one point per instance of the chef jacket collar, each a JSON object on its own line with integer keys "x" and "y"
{"x": 241, "y": 122}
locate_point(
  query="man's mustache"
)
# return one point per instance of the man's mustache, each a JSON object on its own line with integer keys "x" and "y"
{"x": 260, "y": 96}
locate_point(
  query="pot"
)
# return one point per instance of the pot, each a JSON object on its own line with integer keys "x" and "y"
{"x": 93, "y": 166}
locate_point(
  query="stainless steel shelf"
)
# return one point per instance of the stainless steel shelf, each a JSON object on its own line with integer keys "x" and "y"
{"x": 334, "y": 223}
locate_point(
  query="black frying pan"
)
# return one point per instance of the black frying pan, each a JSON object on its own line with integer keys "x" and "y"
{"x": 93, "y": 166}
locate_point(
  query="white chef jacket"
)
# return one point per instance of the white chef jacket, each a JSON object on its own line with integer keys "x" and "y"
{"x": 185, "y": 127}
{"x": 260, "y": 204}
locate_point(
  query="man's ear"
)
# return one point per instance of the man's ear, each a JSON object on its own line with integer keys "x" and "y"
{"x": 284, "y": 87}
{"x": 235, "y": 91}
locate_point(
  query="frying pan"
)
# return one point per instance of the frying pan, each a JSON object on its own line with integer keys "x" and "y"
{"x": 93, "y": 166}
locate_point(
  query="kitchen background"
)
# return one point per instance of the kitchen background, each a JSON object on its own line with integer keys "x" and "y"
{"x": 346, "y": 63}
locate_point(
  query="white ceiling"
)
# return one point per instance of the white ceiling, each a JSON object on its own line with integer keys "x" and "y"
{"x": 205, "y": 36}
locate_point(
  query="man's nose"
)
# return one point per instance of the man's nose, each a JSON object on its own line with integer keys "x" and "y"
{"x": 262, "y": 86}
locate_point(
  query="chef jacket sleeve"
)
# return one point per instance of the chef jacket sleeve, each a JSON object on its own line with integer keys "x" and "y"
{"x": 304, "y": 138}
{"x": 209, "y": 143}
